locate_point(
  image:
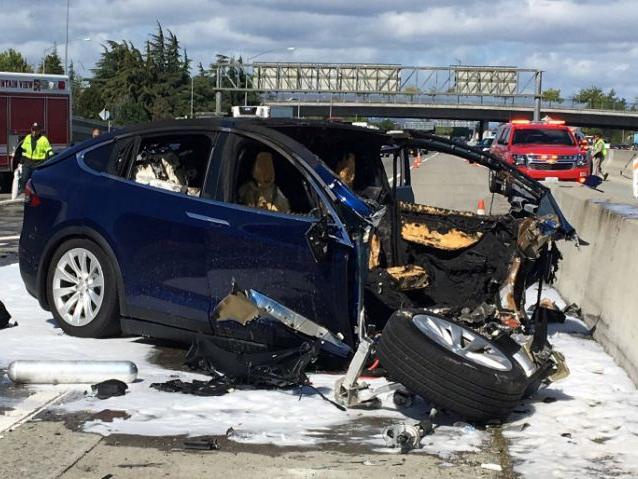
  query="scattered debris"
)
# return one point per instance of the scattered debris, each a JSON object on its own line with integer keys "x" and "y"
{"x": 402, "y": 398}
{"x": 107, "y": 415}
{"x": 573, "y": 310}
{"x": 109, "y": 388}
{"x": 215, "y": 387}
{"x": 141, "y": 465}
{"x": 554, "y": 314}
{"x": 405, "y": 436}
{"x": 265, "y": 369}
{"x": 201, "y": 444}
{"x": 491, "y": 467}
{"x": 5, "y": 317}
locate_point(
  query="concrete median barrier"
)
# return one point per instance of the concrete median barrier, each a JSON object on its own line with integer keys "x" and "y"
{"x": 600, "y": 276}
{"x": 619, "y": 163}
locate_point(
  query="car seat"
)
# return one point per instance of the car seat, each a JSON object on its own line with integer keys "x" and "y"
{"x": 261, "y": 191}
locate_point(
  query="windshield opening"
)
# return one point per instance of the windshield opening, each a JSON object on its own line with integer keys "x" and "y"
{"x": 542, "y": 136}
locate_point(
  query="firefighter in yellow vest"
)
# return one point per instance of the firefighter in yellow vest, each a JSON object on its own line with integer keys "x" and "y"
{"x": 35, "y": 149}
{"x": 599, "y": 155}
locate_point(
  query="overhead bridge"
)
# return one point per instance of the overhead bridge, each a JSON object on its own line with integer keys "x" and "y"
{"x": 576, "y": 117}
{"x": 460, "y": 92}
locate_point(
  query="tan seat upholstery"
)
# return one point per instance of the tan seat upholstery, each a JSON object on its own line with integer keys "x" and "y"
{"x": 346, "y": 169}
{"x": 262, "y": 191}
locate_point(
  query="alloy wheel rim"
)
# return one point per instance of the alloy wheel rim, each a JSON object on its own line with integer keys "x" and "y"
{"x": 78, "y": 287}
{"x": 462, "y": 342}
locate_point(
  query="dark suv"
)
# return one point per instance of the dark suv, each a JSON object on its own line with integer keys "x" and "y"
{"x": 148, "y": 230}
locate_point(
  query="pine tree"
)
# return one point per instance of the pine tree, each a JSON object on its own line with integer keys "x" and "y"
{"x": 51, "y": 63}
{"x": 13, "y": 61}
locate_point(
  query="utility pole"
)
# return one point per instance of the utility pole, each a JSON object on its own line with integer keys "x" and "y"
{"x": 538, "y": 95}
{"x": 192, "y": 88}
{"x": 66, "y": 41}
{"x": 218, "y": 93}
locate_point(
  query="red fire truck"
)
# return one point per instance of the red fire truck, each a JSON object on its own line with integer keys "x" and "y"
{"x": 26, "y": 98}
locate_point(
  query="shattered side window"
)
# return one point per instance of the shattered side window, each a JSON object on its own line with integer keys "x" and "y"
{"x": 175, "y": 162}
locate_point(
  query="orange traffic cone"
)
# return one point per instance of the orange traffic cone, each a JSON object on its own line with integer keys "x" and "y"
{"x": 418, "y": 158}
{"x": 480, "y": 210}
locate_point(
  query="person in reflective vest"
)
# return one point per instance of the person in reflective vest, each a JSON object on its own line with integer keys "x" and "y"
{"x": 599, "y": 153}
{"x": 35, "y": 149}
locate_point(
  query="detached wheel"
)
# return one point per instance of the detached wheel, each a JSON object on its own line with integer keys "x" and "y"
{"x": 452, "y": 366}
{"x": 81, "y": 290}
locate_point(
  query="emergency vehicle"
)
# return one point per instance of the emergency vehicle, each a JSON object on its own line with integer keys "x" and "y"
{"x": 26, "y": 98}
{"x": 544, "y": 150}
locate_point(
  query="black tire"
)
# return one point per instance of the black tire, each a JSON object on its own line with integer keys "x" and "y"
{"x": 449, "y": 381}
{"x": 107, "y": 321}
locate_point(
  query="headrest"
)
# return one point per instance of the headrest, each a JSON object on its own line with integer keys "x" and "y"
{"x": 346, "y": 169}
{"x": 264, "y": 170}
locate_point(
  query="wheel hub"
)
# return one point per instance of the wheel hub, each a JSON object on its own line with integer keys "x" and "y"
{"x": 78, "y": 287}
{"x": 462, "y": 342}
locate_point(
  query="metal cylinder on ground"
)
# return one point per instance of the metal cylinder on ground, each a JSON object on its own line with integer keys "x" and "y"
{"x": 71, "y": 372}
{"x": 634, "y": 176}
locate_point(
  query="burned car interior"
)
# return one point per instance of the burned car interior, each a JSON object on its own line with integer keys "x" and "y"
{"x": 459, "y": 276}
{"x": 174, "y": 162}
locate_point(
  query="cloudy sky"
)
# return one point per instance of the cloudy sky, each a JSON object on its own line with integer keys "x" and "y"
{"x": 578, "y": 43}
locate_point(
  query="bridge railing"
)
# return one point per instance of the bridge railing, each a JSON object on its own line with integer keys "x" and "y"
{"x": 389, "y": 83}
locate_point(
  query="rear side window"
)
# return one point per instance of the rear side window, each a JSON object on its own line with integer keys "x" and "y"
{"x": 98, "y": 158}
{"x": 542, "y": 136}
{"x": 174, "y": 162}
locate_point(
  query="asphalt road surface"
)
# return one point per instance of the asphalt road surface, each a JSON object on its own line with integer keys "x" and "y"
{"x": 448, "y": 181}
{"x": 10, "y": 227}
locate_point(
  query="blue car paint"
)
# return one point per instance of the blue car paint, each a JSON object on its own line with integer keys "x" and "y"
{"x": 342, "y": 193}
{"x": 176, "y": 267}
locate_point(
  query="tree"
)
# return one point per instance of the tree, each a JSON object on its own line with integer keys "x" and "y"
{"x": 154, "y": 82}
{"x": 13, "y": 61}
{"x": 385, "y": 124}
{"x": 51, "y": 63}
{"x": 596, "y": 98}
{"x": 552, "y": 95}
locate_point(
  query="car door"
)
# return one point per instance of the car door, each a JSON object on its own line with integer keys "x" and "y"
{"x": 401, "y": 186}
{"x": 158, "y": 237}
{"x": 396, "y": 164}
{"x": 501, "y": 142}
{"x": 270, "y": 251}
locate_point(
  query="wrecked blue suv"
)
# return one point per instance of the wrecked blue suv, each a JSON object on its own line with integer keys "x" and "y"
{"x": 154, "y": 229}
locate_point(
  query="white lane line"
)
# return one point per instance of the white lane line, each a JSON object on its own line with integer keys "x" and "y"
{"x": 426, "y": 159}
{"x": 11, "y": 202}
{"x": 29, "y": 408}
{"x": 9, "y": 238}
